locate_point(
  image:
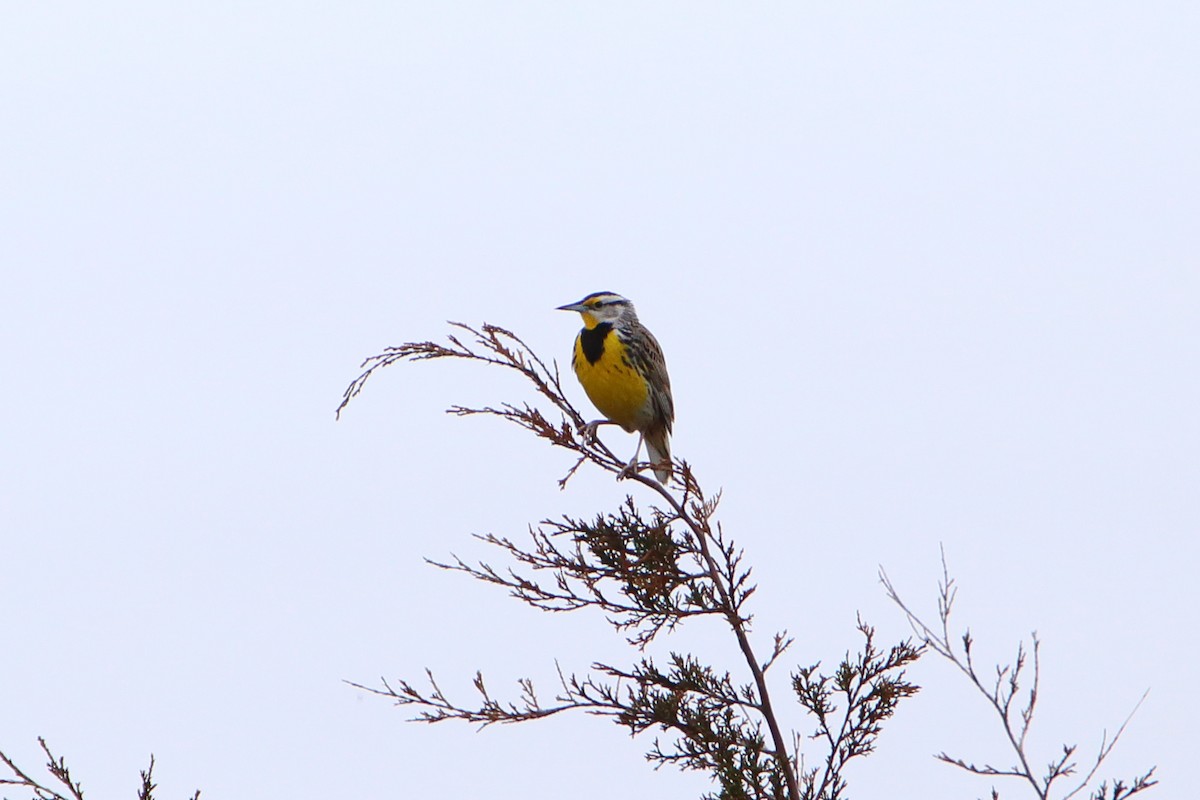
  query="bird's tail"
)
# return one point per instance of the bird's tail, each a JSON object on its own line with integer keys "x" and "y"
{"x": 658, "y": 447}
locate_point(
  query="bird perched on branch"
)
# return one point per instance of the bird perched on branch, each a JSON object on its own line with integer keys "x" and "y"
{"x": 623, "y": 371}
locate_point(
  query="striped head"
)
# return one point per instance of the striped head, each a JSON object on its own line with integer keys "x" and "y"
{"x": 601, "y": 307}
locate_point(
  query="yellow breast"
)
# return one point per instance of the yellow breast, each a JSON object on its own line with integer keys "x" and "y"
{"x": 612, "y": 384}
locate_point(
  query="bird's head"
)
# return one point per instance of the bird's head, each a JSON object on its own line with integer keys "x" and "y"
{"x": 601, "y": 307}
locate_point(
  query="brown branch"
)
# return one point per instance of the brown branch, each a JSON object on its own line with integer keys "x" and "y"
{"x": 1000, "y": 696}
{"x": 60, "y": 772}
{"x": 646, "y": 576}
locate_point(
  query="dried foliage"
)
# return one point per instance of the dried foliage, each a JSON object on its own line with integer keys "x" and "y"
{"x": 1012, "y": 693}
{"x": 648, "y": 570}
{"x": 67, "y": 788}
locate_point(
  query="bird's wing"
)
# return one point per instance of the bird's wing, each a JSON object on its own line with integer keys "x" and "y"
{"x": 654, "y": 366}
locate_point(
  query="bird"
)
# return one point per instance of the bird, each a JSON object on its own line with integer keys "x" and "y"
{"x": 622, "y": 369}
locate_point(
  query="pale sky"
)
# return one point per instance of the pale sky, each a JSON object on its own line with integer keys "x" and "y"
{"x": 925, "y": 274}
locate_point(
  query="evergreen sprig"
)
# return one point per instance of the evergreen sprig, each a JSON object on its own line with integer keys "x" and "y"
{"x": 649, "y": 570}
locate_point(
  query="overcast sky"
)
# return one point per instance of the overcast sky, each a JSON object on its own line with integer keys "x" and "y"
{"x": 925, "y": 274}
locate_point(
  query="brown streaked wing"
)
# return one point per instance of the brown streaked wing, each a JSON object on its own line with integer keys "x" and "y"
{"x": 649, "y": 360}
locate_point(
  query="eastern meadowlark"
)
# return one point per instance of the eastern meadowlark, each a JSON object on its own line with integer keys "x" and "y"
{"x": 623, "y": 371}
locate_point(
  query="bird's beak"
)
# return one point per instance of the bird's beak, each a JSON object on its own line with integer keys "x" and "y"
{"x": 580, "y": 307}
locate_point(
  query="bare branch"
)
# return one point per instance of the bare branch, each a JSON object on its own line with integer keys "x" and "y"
{"x": 68, "y": 788}
{"x": 1000, "y": 695}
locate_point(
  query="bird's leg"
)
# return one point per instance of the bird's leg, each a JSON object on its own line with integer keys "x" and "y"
{"x": 588, "y": 430}
{"x": 631, "y": 467}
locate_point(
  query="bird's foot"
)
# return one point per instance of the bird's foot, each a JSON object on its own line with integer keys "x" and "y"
{"x": 630, "y": 469}
{"x": 588, "y": 430}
